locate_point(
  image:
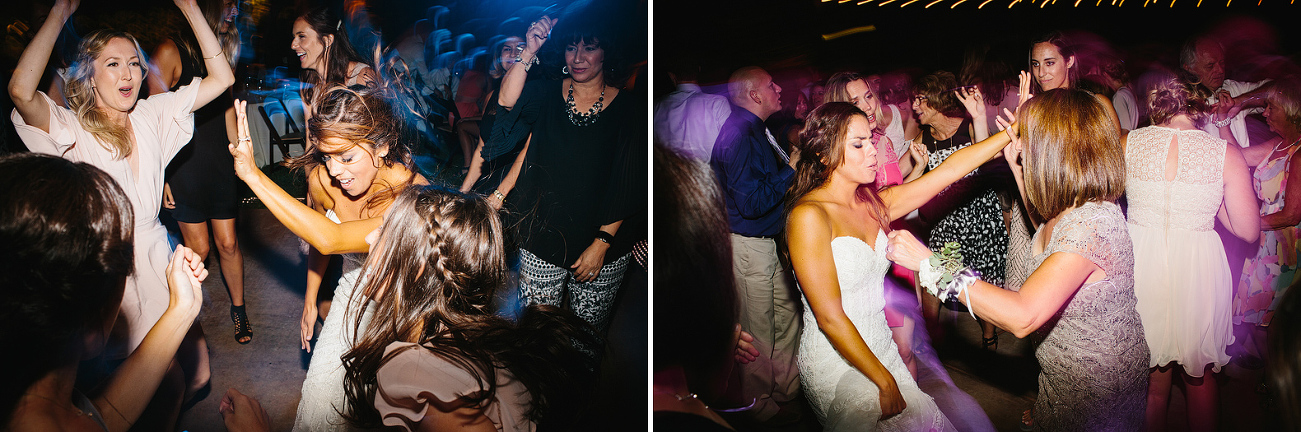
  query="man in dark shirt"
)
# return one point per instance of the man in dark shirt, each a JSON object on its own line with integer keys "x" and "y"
{"x": 755, "y": 174}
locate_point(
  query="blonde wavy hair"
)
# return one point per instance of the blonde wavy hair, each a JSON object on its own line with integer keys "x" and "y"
{"x": 81, "y": 96}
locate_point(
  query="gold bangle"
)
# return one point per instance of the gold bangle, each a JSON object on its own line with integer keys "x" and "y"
{"x": 219, "y": 53}
{"x": 500, "y": 196}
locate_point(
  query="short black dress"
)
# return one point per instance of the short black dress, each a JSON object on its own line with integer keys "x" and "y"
{"x": 202, "y": 176}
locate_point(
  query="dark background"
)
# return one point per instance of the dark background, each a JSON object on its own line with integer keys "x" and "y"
{"x": 786, "y": 35}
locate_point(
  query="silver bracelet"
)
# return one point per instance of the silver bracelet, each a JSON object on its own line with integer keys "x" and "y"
{"x": 519, "y": 59}
{"x": 1221, "y": 123}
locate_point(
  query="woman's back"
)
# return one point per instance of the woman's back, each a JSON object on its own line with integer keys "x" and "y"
{"x": 1185, "y": 196}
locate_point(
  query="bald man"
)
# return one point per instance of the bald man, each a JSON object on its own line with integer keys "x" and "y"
{"x": 755, "y": 174}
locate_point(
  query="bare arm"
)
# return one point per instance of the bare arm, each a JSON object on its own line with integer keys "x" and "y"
{"x": 220, "y": 77}
{"x": 1256, "y": 153}
{"x": 134, "y": 383}
{"x": 317, "y": 264}
{"x": 508, "y": 182}
{"x": 810, "y": 247}
{"x": 1239, "y": 212}
{"x": 319, "y": 231}
{"x": 1290, "y": 215}
{"x": 905, "y": 198}
{"x": 166, "y": 67}
{"x": 513, "y": 83}
{"x": 31, "y": 65}
{"x": 1021, "y": 312}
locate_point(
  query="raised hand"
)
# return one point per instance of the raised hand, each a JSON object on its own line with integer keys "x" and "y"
{"x": 67, "y": 6}
{"x": 538, "y": 33}
{"x": 185, "y": 275}
{"x": 921, "y": 157}
{"x": 973, "y": 100}
{"x": 1012, "y": 151}
{"x": 242, "y": 149}
{"x": 1023, "y": 90}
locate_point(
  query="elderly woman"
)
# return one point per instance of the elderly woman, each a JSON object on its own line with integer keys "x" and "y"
{"x": 108, "y": 126}
{"x": 969, "y": 212}
{"x": 574, "y": 190}
{"x": 1273, "y": 269}
{"x": 1094, "y": 358}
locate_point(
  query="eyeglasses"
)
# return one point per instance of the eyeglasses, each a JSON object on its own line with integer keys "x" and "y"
{"x": 919, "y": 98}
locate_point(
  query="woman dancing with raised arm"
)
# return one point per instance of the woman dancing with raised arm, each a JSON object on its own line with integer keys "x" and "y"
{"x": 355, "y": 166}
{"x": 851, "y": 370}
{"x": 1094, "y": 358}
{"x": 107, "y": 126}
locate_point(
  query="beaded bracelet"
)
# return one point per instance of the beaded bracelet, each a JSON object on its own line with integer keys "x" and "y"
{"x": 1222, "y": 123}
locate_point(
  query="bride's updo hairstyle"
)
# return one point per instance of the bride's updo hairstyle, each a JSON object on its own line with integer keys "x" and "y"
{"x": 1170, "y": 96}
{"x": 822, "y": 151}
{"x": 1072, "y": 152}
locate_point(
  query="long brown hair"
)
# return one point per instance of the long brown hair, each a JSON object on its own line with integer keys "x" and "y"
{"x": 434, "y": 273}
{"x": 358, "y": 114}
{"x": 67, "y": 229}
{"x": 338, "y": 55}
{"x": 822, "y": 150}
{"x": 80, "y": 92}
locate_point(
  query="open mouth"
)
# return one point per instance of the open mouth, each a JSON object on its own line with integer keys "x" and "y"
{"x": 301, "y": 55}
{"x": 125, "y": 91}
{"x": 345, "y": 184}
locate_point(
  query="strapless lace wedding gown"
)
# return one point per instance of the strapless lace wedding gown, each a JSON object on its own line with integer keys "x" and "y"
{"x": 323, "y": 396}
{"x": 841, "y": 396}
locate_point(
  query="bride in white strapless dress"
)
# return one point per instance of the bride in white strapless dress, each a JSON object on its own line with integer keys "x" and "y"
{"x": 849, "y": 365}
{"x": 323, "y": 396}
{"x": 842, "y": 397}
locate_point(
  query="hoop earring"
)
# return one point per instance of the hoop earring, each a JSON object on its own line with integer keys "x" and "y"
{"x": 565, "y": 70}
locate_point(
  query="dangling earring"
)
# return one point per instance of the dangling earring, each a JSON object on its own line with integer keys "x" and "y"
{"x": 565, "y": 70}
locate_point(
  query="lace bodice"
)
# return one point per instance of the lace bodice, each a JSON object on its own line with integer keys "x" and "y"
{"x": 842, "y": 397}
{"x": 1191, "y": 200}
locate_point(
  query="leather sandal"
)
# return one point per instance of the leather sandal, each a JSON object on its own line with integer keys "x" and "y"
{"x": 243, "y": 329}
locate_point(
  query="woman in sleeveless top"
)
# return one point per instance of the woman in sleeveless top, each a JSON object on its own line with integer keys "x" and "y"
{"x": 1177, "y": 179}
{"x": 1053, "y": 66}
{"x": 107, "y": 125}
{"x": 320, "y": 40}
{"x": 1274, "y": 267}
{"x": 201, "y": 188}
{"x": 1094, "y": 357}
{"x": 355, "y": 166}
{"x": 850, "y": 368}
{"x": 970, "y": 212}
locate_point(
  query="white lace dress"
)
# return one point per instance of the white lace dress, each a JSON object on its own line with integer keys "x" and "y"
{"x": 323, "y": 396}
{"x": 1181, "y": 275}
{"x": 842, "y": 397}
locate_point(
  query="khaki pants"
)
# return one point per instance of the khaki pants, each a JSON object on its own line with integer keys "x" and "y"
{"x": 769, "y": 311}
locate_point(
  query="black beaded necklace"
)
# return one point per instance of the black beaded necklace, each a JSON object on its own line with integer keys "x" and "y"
{"x": 589, "y": 117}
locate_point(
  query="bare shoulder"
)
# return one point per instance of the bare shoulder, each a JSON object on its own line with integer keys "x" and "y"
{"x": 809, "y": 216}
{"x": 319, "y": 190}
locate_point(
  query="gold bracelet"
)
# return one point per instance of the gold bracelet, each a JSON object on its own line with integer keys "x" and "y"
{"x": 500, "y": 196}
{"x": 219, "y": 52}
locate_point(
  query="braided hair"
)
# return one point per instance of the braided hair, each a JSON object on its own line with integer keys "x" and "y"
{"x": 434, "y": 273}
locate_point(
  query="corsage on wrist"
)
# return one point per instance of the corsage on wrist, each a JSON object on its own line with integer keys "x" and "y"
{"x": 944, "y": 275}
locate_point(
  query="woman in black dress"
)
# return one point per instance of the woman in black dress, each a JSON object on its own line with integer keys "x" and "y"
{"x": 201, "y": 187}
{"x": 576, "y": 186}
